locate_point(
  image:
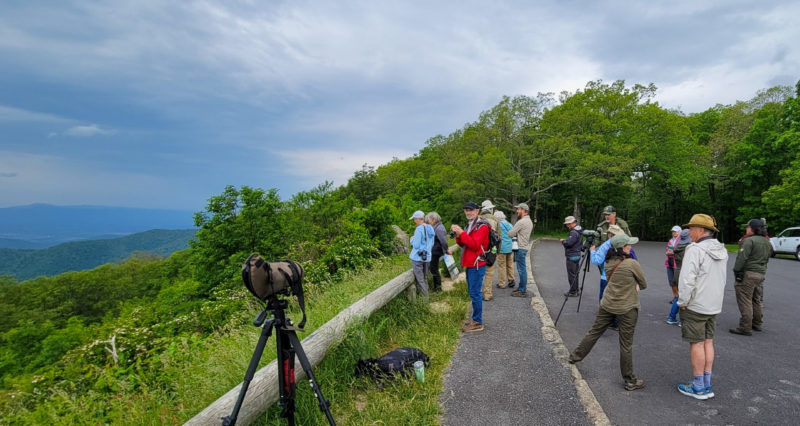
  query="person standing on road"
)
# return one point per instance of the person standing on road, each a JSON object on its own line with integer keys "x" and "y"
{"x": 621, "y": 302}
{"x": 610, "y": 214}
{"x": 669, "y": 262}
{"x": 680, "y": 249}
{"x": 487, "y": 210}
{"x": 421, "y": 245}
{"x": 439, "y": 248}
{"x": 522, "y": 230}
{"x": 473, "y": 240}
{"x": 505, "y": 259}
{"x": 701, "y": 288}
{"x": 572, "y": 251}
{"x": 598, "y": 257}
{"x": 750, "y": 271}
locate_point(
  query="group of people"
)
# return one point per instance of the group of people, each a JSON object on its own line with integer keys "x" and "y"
{"x": 696, "y": 271}
{"x": 429, "y": 244}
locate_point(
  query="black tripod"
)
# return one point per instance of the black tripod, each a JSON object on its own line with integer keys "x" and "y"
{"x": 288, "y": 344}
{"x": 585, "y": 255}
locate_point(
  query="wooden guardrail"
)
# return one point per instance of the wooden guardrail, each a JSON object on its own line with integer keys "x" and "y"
{"x": 263, "y": 389}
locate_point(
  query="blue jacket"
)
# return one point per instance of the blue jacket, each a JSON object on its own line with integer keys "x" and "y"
{"x": 599, "y": 257}
{"x": 422, "y": 240}
{"x": 505, "y": 240}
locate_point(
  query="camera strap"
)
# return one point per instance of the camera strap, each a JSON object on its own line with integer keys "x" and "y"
{"x": 297, "y": 289}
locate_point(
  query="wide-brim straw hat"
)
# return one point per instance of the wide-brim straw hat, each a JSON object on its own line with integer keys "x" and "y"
{"x": 704, "y": 221}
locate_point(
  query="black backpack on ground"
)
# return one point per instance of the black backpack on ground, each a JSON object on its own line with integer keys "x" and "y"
{"x": 399, "y": 361}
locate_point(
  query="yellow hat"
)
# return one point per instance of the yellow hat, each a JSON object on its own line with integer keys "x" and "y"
{"x": 703, "y": 220}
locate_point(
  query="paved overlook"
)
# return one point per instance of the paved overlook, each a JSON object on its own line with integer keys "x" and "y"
{"x": 756, "y": 379}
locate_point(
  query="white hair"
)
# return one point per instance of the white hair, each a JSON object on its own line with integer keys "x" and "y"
{"x": 500, "y": 215}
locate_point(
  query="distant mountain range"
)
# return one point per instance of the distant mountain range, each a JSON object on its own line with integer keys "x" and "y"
{"x": 38, "y": 226}
{"x": 25, "y": 264}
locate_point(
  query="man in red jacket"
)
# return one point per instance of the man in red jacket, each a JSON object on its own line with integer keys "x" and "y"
{"x": 473, "y": 241}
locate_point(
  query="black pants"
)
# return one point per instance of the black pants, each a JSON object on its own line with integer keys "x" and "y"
{"x": 572, "y": 274}
{"x": 434, "y": 268}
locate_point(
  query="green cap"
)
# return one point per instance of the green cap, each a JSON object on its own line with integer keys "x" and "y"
{"x": 609, "y": 210}
{"x": 618, "y": 241}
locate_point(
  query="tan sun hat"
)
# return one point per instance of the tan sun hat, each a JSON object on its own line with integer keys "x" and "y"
{"x": 704, "y": 221}
{"x": 615, "y": 229}
{"x": 569, "y": 219}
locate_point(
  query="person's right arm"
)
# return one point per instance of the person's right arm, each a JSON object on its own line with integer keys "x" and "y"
{"x": 688, "y": 277}
{"x": 599, "y": 255}
{"x": 741, "y": 258}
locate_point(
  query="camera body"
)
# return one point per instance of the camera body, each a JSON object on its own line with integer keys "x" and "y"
{"x": 423, "y": 254}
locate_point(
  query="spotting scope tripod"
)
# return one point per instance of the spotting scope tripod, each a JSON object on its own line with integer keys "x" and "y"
{"x": 288, "y": 345}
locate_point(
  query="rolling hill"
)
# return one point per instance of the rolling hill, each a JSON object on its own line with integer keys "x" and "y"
{"x": 24, "y": 264}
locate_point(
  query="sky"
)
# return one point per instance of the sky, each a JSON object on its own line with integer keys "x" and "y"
{"x": 161, "y": 104}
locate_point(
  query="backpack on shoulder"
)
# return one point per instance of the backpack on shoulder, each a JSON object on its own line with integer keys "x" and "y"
{"x": 489, "y": 254}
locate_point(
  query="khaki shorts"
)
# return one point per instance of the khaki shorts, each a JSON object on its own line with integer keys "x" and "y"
{"x": 696, "y": 328}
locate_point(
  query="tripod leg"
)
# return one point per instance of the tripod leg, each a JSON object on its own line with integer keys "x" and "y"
{"x": 266, "y": 331}
{"x": 301, "y": 355}
{"x": 559, "y": 311}
{"x": 286, "y": 380}
{"x": 586, "y": 265}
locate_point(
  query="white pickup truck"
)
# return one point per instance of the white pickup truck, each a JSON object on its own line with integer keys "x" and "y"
{"x": 787, "y": 241}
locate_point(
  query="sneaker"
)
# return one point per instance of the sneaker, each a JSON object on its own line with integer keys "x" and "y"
{"x": 638, "y": 384}
{"x": 487, "y": 298}
{"x": 499, "y": 286}
{"x": 572, "y": 360}
{"x": 740, "y": 331}
{"x": 671, "y": 321}
{"x": 511, "y": 284}
{"x": 756, "y": 328}
{"x": 709, "y": 392}
{"x": 517, "y": 293}
{"x": 572, "y": 293}
{"x": 689, "y": 390}
{"x": 472, "y": 327}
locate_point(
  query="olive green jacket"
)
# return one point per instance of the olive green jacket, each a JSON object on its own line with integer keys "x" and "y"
{"x": 621, "y": 294}
{"x": 604, "y": 228}
{"x": 753, "y": 255}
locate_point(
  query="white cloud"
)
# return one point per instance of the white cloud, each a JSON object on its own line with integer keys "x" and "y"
{"x": 313, "y": 166}
{"x": 87, "y": 131}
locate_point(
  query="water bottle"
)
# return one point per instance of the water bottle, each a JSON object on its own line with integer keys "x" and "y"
{"x": 514, "y": 244}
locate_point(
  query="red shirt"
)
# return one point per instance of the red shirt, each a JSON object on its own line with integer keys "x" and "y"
{"x": 473, "y": 244}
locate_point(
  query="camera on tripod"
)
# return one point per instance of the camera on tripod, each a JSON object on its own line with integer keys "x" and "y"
{"x": 588, "y": 238}
{"x": 266, "y": 281}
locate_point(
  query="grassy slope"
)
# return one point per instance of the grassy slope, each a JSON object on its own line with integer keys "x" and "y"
{"x": 201, "y": 374}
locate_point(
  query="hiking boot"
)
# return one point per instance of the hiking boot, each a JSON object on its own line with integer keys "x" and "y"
{"x": 517, "y": 293}
{"x": 631, "y": 386}
{"x": 572, "y": 293}
{"x": 572, "y": 360}
{"x": 672, "y": 321}
{"x": 472, "y": 327}
{"x": 511, "y": 284}
{"x": 756, "y": 328}
{"x": 499, "y": 286}
{"x": 740, "y": 331}
{"x": 487, "y": 298}
{"x": 688, "y": 389}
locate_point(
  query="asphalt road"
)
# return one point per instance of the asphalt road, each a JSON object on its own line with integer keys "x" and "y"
{"x": 756, "y": 379}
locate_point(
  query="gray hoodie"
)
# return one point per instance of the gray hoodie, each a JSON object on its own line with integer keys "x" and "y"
{"x": 703, "y": 273}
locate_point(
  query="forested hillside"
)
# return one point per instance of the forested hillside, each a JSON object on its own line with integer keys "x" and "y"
{"x": 80, "y": 255}
{"x": 140, "y": 341}
{"x": 574, "y": 153}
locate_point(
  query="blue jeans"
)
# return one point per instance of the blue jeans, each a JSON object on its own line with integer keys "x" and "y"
{"x": 673, "y": 311}
{"x": 474, "y": 287}
{"x": 522, "y": 270}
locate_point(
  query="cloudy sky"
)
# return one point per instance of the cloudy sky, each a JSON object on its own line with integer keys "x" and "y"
{"x": 162, "y": 103}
